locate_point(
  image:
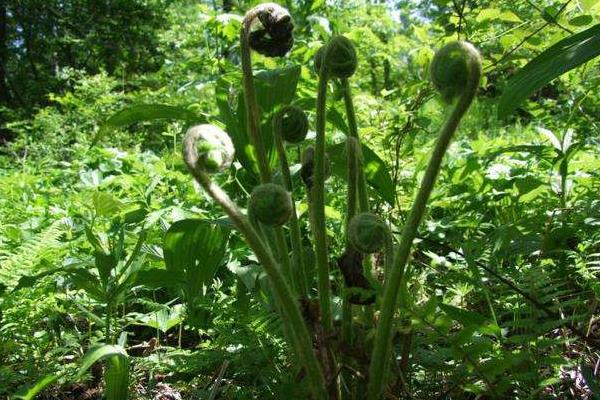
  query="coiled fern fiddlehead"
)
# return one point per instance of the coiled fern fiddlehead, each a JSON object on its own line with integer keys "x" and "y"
{"x": 455, "y": 72}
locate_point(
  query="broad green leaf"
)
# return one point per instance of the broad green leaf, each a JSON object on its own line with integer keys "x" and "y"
{"x": 548, "y": 134}
{"x": 99, "y": 353}
{"x": 165, "y": 318}
{"x": 248, "y": 274}
{"x": 144, "y": 112}
{"x": 85, "y": 280}
{"x": 555, "y": 61}
{"x": 273, "y": 89}
{"x": 29, "y": 393}
{"x": 496, "y": 14}
{"x": 375, "y": 169}
{"x": 193, "y": 250}
{"x": 116, "y": 376}
{"x": 105, "y": 204}
{"x": 581, "y": 20}
{"x": 527, "y": 185}
{"x": 156, "y": 278}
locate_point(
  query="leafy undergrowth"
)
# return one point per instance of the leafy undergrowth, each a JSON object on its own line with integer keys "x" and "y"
{"x": 501, "y": 295}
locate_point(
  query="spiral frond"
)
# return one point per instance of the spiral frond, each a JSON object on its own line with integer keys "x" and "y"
{"x": 339, "y": 56}
{"x": 367, "y": 233}
{"x": 291, "y": 124}
{"x": 271, "y": 204}
{"x": 455, "y": 69}
{"x": 207, "y": 148}
{"x": 273, "y": 35}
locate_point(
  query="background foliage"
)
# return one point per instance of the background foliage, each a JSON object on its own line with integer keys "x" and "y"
{"x": 86, "y": 231}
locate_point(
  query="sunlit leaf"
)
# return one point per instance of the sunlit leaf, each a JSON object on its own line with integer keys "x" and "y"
{"x": 29, "y": 393}
{"x": 116, "y": 376}
{"x": 555, "y": 61}
{"x": 193, "y": 251}
{"x": 375, "y": 169}
{"x": 144, "y": 112}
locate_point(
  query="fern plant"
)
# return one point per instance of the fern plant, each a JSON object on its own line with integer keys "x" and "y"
{"x": 26, "y": 259}
{"x": 207, "y": 149}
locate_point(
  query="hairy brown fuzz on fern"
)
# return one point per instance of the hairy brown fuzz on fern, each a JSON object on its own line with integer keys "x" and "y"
{"x": 273, "y": 38}
{"x": 350, "y": 263}
{"x": 308, "y": 165}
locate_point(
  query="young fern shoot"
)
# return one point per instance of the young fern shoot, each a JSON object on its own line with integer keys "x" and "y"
{"x": 208, "y": 145}
{"x": 273, "y": 39}
{"x": 291, "y": 124}
{"x": 455, "y": 72}
{"x": 337, "y": 59}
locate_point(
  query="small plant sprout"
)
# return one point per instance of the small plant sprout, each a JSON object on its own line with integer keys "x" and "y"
{"x": 291, "y": 124}
{"x": 273, "y": 39}
{"x": 214, "y": 149}
{"x": 367, "y": 233}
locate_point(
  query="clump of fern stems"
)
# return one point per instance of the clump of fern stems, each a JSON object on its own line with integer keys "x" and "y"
{"x": 267, "y": 29}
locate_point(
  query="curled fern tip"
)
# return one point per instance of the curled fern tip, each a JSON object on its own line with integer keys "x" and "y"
{"x": 207, "y": 148}
{"x": 455, "y": 68}
{"x": 274, "y": 35}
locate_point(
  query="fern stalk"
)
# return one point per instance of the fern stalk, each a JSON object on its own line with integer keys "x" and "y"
{"x": 285, "y": 298}
{"x": 381, "y": 349}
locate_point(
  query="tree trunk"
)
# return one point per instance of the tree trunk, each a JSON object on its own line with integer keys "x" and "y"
{"x": 5, "y": 97}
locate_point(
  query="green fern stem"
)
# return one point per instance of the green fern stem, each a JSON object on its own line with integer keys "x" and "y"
{"x": 283, "y": 253}
{"x": 295, "y": 236}
{"x": 363, "y": 193}
{"x": 252, "y": 113}
{"x": 351, "y": 161}
{"x": 388, "y": 255}
{"x": 351, "y": 203}
{"x": 353, "y": 173}
{"x": 253, "y": 126}
{"x": 285, "y": 298}
{"x": 318, "y": 205}
{"x": 107, "y": 321}
{"x": 381, "y": 348}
